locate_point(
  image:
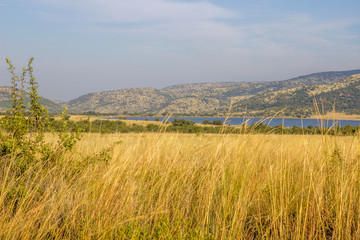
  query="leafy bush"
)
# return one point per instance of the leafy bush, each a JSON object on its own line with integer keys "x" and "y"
{"x": 206, "y": 122}
{"x": 152, "y": 128}
{"x": 22, "y": 133}
{"x": 182, "y": 122}
{"x": 217, "y": 122}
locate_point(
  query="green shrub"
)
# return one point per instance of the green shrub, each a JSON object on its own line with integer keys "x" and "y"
{"x": 182, "y": 122}
{"x": 22, "y": 131}
{"x": 217, "y": 122}
{"x": 206, "y": 122}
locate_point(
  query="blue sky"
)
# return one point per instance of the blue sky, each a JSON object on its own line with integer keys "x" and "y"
{"x": 83, "y": 46}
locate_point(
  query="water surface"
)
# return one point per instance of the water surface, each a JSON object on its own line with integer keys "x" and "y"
{"x": 287, "y": 122}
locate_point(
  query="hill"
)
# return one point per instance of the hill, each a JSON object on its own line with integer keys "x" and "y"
{"x": 208, "y": 98}
{"x": 5, "y": 101}
{"x": 140, "y": 100}
{"x": 299, "y": 101}
{"x": 248, "y": 98}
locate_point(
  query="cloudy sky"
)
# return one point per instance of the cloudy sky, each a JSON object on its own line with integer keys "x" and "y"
{"x": 83, "y": 46}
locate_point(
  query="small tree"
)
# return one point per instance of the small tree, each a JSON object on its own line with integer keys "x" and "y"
{"x": 206, "y": 122}
{"x": 217, "y": 122}
{"x": 23, "y": 136}
{"x": 182, "y": 122}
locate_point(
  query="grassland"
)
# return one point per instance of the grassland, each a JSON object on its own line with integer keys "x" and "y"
{"x": 162, "y": 185}
{"x": 187, "y": 186}
{"x": 339, "y": 116}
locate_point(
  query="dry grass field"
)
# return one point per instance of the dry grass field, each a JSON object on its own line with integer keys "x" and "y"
{"x": 338, "y": 116}
{"x": 188, "y": 186}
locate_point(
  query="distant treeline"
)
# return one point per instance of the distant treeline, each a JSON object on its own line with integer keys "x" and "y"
{"x": 186, "y": 126}
{"x": 140, "y": 114}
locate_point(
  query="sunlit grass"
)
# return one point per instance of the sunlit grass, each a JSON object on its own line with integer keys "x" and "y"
{"x": 167, "y": 185}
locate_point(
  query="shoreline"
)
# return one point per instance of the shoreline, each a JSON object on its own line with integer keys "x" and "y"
{"x": 327, "y": 117}
{"x": 323, "y": 117}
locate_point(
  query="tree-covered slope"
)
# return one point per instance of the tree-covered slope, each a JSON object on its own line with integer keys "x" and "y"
{"x": 206, "y": 98}
{"x": 345, "y": 94}
{"x": 5, "y": 101}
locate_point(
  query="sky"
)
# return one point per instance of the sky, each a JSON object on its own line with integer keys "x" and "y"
{"x": 83, "y": 46}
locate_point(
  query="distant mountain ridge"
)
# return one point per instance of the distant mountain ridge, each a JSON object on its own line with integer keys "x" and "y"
{"x": 343, "y": 95}
{"x": 201, "y": 98}
{"x": 292, "y": 97}
{"x": 5, "y": 101}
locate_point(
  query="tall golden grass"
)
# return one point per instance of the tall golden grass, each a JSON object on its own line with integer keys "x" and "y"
{"x": 178, "y": 186}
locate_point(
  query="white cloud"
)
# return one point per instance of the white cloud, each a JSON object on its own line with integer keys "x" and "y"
{"x": 197, "y": 23}
{"x": 127, "y": 11}
{"x": 193, "y": 22}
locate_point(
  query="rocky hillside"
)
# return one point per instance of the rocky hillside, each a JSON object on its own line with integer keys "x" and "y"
{"x": 203, "y": 98}
{"x": 344, "y": 95}
{"x": 141, "y": 100}
{"x": 5, "y": 101}
{"x": 249, "y": 98}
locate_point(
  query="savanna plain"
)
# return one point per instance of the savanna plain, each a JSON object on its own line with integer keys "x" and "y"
{"x": 187, "y": 186}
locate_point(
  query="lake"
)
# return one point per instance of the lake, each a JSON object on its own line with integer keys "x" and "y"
{"x": 287, "y": 122}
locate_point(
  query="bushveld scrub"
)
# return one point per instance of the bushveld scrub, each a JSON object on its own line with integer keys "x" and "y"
{"x": 177, "y": 186}
{"x": 185, "y": 126}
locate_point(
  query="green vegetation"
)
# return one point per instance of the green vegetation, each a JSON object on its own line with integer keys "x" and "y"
{"x": 344, "y": 95}
{"x": 217, "y": 122}
{"x": 185, "y": 126}
{"x": 23, "y": 132}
